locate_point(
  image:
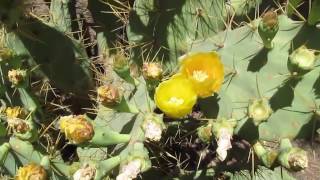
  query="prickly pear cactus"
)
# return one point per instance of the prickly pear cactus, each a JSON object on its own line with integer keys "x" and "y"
{"x": 153, "y": 88}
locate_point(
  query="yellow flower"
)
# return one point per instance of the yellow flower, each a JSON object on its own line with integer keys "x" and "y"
{"x": 76, "y": 128}
{"x": 176, "y": 96}
{"x": 31, "y": 172}
{"x": 205, "y": 71}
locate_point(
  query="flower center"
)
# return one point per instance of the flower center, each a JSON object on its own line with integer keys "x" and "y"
{"x": 176, "y": 101}
{"x": 199, "y": 75}
{"x": 259, "y": 111}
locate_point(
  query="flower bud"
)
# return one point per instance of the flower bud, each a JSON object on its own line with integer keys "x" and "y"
{"x": 267, "y": 157}
{"x": 294, "y": 158}
{"x": 76, "y": 128}
{"x": 108, "y": 95}
{"x": 301, "y": 60}
{"x": 120, "y": 62}
{"x": 205, "y": 133}
{"x": 152, "y": 71}
{"x": 16, "y": 119}
{"x": 5, "y": 54}
{"x": 153, "y": 127}
{"x": 17, "y": 76}
{"x": 268, "y": 28}
{"x": 31, "y": 172}
{"x": 259, "y": 110}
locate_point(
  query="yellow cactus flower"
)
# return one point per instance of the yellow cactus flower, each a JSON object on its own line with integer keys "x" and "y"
{"x": 205, "y": 71}
{"x": 31, "y": 172}
{"x": 176, "y": 96}
{"x": 76, "y": 128}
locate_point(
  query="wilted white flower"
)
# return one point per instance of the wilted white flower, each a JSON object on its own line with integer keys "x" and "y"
{"x": 153, "y": 131}
{"x": 85, "y": 173}
{"x": 130, "y": 171}
{"x": 224, "y": 144}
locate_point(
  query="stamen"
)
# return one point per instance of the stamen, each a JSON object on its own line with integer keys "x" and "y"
{"x": 200, "y": 75}
{"x": 175, "y": 100}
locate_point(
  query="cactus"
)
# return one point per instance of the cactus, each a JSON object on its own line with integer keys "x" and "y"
{"x": 104, "y": 89}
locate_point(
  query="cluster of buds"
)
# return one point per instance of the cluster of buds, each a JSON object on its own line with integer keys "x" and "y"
{"x": 17, "y": 76}
{"x": 31, "y": 171}
{"x": 153, "y": 126}
{"x": 259, "y": 110}
{"x": 76, "y": 128}
{"x": 109, "y": 95}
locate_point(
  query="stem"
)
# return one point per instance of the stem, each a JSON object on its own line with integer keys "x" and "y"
{"x": 107, "y": 165}
{"x": 124, "y": 106}
{"x": 4, "y": 150}
{"x": 285, "y": 144}
{"x": 259, "y": 149}
{"x": 104, "y": 136}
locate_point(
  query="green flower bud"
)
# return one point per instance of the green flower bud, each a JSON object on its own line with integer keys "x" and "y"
{"x": 259, "y": 110}
{"x": 120, "y": 63}
{"x": 267, "y": 157}
{"x": 268, "y": 28}
{"x": 5, "y": 54}
{"x": 123, "y": 68}
{"x": 292, "y": 158}
{"x": 205, "y": 133}
{"x": 301, "y": 60}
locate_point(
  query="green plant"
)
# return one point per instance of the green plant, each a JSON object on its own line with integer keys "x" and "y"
{"x": 190, "y": 69}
